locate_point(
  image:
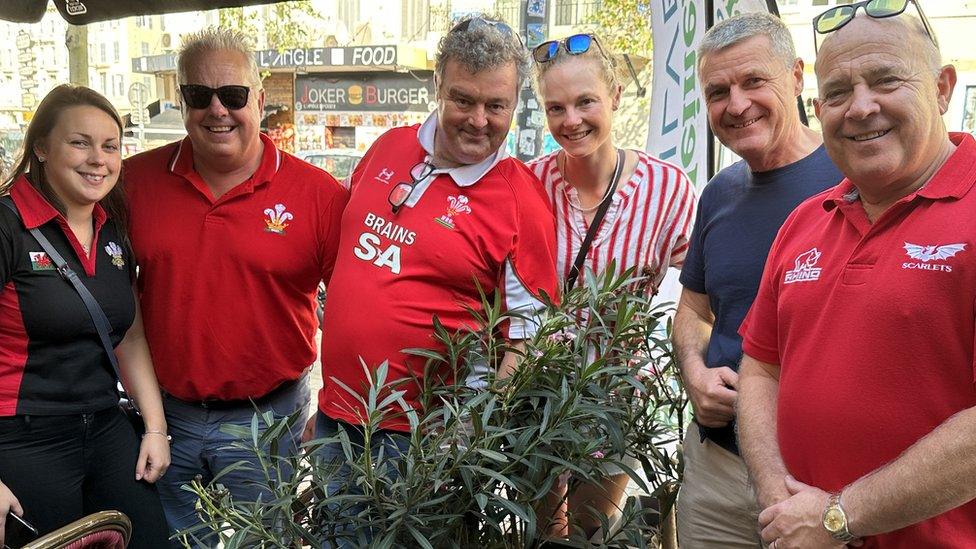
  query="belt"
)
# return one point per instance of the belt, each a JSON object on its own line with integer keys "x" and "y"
{"x": 220, "y": 404}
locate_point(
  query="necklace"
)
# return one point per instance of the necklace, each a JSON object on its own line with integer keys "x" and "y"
{"x": 607, "y": 194}
{"x": 86, "y": 248}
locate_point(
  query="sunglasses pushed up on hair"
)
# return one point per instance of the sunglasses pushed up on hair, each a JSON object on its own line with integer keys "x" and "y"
{"x": 576, "y": 44}
{"x": 196, "y": 96}
{"x": 838, "y": 16}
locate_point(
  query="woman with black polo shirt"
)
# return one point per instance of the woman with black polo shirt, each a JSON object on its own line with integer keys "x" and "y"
{"x": 66, "y": 450}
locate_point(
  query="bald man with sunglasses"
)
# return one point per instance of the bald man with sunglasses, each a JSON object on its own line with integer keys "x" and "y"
{"x": 857, "y": 407}
{"x": 233, "y": 237}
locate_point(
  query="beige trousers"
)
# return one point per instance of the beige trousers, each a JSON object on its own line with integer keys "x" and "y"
{"x": 716, "y": 505}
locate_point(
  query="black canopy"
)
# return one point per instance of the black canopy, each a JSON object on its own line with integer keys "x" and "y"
{"x": 81, "y": 12}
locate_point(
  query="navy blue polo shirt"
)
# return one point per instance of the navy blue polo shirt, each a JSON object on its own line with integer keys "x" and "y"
{"x": 51, "y": 359}
{"x": 739, "y": 214}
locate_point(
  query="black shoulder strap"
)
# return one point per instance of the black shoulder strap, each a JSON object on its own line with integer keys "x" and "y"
{"x": 594, "y": 227}
{"x": 94, "y": 309}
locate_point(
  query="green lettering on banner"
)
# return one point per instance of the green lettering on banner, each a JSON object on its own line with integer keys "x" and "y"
{"x": 689, "y": 112}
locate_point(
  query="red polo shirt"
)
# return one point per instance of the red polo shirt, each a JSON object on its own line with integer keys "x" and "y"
{"x": 228, "y": 285}
{"x": 484, "y": 226}
{"x": 873, "y": 329}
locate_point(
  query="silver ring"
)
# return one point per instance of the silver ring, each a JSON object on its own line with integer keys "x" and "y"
{"x": 773, "y": 544}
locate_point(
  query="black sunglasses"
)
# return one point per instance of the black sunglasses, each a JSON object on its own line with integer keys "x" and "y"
{"x": 838, "y": 16}
{"x": 401, "y": 192}
{"x": 576, "y": 44}
{"x": 196, "y": 96}
{"x": 475, "y": 23}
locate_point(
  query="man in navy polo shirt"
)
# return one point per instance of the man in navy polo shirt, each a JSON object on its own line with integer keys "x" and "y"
{"x": 233, "y": 237}
{"x": 750, "y": 79}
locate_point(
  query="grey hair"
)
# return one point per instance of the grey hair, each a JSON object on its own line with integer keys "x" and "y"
{"x": 744, "y": 26}
{"x": 216, "y": 39}
{"x": 482, "y": 48}
{"x": 598, "y": 53}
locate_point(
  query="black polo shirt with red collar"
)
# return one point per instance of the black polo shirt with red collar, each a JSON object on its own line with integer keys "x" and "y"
{"x": 51, "y": 359}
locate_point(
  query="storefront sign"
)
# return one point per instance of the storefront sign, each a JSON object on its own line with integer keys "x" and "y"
{"x": 390, "y": 93}
{"x": 355, "y": 56}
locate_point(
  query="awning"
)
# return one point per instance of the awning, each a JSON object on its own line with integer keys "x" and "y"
{"x": 81, "y": 12}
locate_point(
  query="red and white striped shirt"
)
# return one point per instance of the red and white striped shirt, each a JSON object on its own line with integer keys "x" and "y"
{"x": 646, "y": 226}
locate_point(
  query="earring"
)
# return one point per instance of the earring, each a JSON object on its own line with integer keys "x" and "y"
{"x": 40, "y": 159}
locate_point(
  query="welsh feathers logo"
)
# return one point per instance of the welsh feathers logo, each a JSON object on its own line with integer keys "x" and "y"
{"x": 933, "y": 253}
{"x": 456, "y": 205}
{"x": 277, "y": 219}
{"x": 115, "y": 251}
{"x": 41, "y": 262}
{"x": 804, "y": 267}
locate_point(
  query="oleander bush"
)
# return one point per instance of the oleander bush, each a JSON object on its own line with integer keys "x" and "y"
{"x": 596, "y": 383}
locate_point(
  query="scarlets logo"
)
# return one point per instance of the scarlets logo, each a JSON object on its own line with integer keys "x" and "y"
{"x": 936, "y": 253}
{"x": 805, "y": 269}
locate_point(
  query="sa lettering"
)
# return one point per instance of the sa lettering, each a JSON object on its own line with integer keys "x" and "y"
{"x": 369, "y": 250}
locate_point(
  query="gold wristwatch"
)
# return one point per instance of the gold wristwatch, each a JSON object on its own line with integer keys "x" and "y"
{"x": 835, "y": 520}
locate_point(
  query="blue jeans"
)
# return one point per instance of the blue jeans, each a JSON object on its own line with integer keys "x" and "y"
{"x": 393, "y": 444}
{"x": 200, "y": 447}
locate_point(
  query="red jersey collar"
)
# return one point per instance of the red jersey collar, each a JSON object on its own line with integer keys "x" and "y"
{"x": 182, "y": 163}
{"x": 953, "y": 180}
{"x": 35, "y": 210}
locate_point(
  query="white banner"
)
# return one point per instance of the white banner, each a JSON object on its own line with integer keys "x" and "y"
{"x": 678, "y": 127}
{"x": 678, "y": 131}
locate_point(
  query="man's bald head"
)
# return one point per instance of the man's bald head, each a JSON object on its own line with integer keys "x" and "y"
{"x": 904, "y": 26}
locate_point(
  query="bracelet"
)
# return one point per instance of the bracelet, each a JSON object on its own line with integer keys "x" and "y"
{"x": 160, "y": 433}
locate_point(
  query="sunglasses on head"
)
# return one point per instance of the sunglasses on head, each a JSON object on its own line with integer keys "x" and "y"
{"x": 576, "y": 44}
{"x": 475, "y": 23}
{"x": 838, "y": 16}
{"x": 199, "y": 97}
{"x": 401, "y": 192}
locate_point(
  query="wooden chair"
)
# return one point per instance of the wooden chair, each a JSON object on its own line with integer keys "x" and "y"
{"x": 101, "y": 530}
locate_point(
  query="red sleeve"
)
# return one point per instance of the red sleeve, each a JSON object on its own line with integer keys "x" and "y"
{"x": 530, "y": 268}
{"x": 329, "y": 227}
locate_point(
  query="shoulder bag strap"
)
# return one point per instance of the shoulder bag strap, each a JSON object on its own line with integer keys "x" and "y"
{"x": 94, "y": 309}
{"x": 594, "y": 226}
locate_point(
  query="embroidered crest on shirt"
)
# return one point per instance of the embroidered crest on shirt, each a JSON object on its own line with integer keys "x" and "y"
{"x": 456, "y": 205}
{"x": 805, "y": 269}
{"x": 934, "y": 253}
{"x": 41, "y": 262}
{"x": 115, "y": 251}
{"x": 277, "y": 219}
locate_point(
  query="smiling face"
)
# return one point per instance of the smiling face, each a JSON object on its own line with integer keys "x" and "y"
{"x": 751, "y": 100}
{"x": 474, "y": 113}
{"x": 579, "y": 105}
{"x": 881, "y": 104}
{"x": 82, "y": 156}
{"x": 218, "y": 133}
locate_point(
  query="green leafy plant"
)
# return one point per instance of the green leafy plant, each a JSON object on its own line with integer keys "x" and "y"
{"x": 596, "y": 383}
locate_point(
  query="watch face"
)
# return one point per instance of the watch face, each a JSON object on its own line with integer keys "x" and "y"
{"x": 834, "y": 520}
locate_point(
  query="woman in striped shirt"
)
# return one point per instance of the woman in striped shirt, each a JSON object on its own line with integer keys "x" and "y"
{"x": 649, "y": 204}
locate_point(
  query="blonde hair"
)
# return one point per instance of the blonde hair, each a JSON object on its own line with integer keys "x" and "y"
{"x": 216, "y": 39}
